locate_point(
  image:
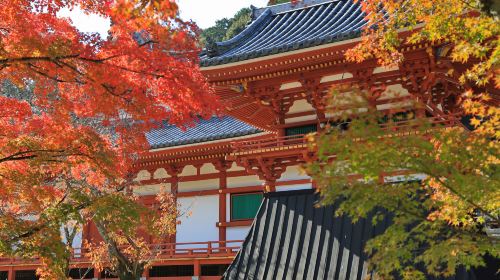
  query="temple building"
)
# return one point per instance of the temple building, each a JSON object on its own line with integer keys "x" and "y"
{"x": 271, "y": 80}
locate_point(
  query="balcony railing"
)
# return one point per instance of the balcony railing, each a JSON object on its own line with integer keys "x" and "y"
{"x": 271, "y": 143}
{"x": 299, "y": 141}
{"x": 162, "y": 251}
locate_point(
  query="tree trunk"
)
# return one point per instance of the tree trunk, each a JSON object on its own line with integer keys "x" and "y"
{"x": 123, "y": 275}
{"x": 124, "y": 272}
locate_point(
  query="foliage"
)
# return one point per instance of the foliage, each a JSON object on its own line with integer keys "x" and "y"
{"x": 471, "y": 28}
{"x": 74, "y": 110}
{"x": 122, "y": 250}
{"x": 276, "y": 2}
{"x": 238, "y": 23}
{"x": 437, "y": 222}
{"x": 225, "y": 29}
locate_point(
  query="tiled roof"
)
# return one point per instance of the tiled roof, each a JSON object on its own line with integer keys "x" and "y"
{"x": 292, "y": 239}
{"x": 288, "y": 27}
{"x": 206, "y": 130}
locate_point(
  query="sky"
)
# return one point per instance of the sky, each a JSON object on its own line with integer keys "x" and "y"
{"x": 206, "y": 12}
{"x": 203, "y": 12}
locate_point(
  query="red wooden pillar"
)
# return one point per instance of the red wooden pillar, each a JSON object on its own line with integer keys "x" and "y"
{"x": 222, "y": 167}
{"x": 11, "y": 274}
{"x": 270, "y": 185}
{"x": 174, "y": 171}
{"x": 197, "y": 268}
{"x": 222, "y": 217}
{"x": 222, "y": 205}
{"x": 174, "y": 187}
{"x": 145, "y": 274}
{"x": 96, "y": 273}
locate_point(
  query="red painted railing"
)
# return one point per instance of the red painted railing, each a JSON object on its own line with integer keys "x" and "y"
{"x": 301, "y": 141}
{"x": 242, "y": 146}
{"x": 160, "y": 251}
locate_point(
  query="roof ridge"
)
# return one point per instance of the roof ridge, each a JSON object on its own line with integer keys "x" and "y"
{"x": 289, "y": 7}
{"x": 286, "y": 27}
{"x": 218, "y": 48}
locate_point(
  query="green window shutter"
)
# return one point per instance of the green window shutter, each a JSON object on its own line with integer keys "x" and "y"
{"x": 298, "y": 130}
{"x": 245, "y": 206}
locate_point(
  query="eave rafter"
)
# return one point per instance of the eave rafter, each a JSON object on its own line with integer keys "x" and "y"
{"x": 269, "y": 158}
{"x": 430, "y": 79}
{"x": 433, "y": 81}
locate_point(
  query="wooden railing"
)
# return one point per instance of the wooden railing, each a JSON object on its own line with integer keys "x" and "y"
{"x": 196, "y": 249}
{"x": 159, "y": 251}
{"x": 270, "y": 143}
{"x": 277, "y": 142}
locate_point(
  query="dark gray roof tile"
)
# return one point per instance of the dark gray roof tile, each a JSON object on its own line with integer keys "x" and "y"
{"x": 212, "y": 129}
{"x": 286, "y": 27}
{"x": 292, "y": 239}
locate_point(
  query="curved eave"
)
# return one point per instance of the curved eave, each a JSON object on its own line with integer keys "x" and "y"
{"x": 199, "y": 152}
{"x": 279, "y": 64}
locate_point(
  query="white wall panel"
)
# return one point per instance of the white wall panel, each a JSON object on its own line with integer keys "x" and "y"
{"x": 160, "y": 173}
{"x": 237, "y": 233}
{"x": 208, "y": 168}
{"x": 189, "y": 170}
{"x": 293, "y": 187}
{"x": 143, "y": 175}
{"x": 293, "y": 173}
{"x": 200, "y": 225}
{"x": 243, "y": 181}
{"x": 200, "y": 185}
{"x": 151, "y": 189}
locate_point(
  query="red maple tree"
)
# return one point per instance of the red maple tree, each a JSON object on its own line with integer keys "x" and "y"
{"x": 74, "y": 106}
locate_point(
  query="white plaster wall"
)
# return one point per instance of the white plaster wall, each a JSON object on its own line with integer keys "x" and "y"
{"x": 237, "y": 233}
{"x": 200, "y": 225}
{"x": 340, "y": 113}
{"x": 143, "y": 175}
{"x": 235, "y": 167}
{"x": 402, "y": 104}
{"x": 228, "y": 207}
{"x": 300, "y": 105}
{"x": 208, "y": 168}
{"x": 301, "y": 119}
{"x": 200, "y": 185}
{"x": 294, "y": 187}
{"x": 151, "y": 189}
{"x": 160, "y": 173}
{"x": 293, "y": 173}
{"x": 77, "y": 241}
{"x": 290, "y": 85}
{"x": 243, "y": 181}
{"x": 383, "y": 69}
{"x": 399, "y": 178}
{"x": 189, "y": 170}
{"x": 393, "y": 91}
{"x": 77, "y": 244}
